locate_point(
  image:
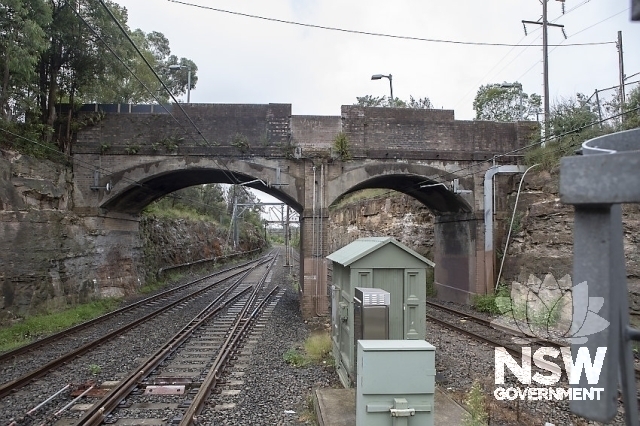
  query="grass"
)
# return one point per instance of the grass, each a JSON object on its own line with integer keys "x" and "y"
{"x": 365, "y": 194}
{"x": 160, "y": 212}
{"x": 318, "y": 347}
{"x": 33, "y": 327}
{"x": 308, "y": 416}
{"x": 477, "y": 410}
{"x": 315, "y": 350}
{"x": 154, "y": 284}
{"x": 487, "y": 302}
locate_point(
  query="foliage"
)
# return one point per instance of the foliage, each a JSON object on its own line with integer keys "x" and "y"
{"x": 22, "y": 25}
{"x": 516, "y": 226}
{"x": 487, "y": 302}
{"x": 95, "y": 369}
{"x": 631, "y": 120}
{"x": 202, "y": 202}
{"x": 476, "y": 405}
{"x": 71, "y": 52}
{"x": 295, "y": 358}
{"x": 573, "y": 115}
{"x": 317, "y": 349}
{"x": 384, "y": 101}
{"x": 341, "y": 146}
{"x": 35, "y": 327}
{"x": 571, "y": 123}
{"x": 502, "y": 102}
{"x": 241, "y": 142}
{"x": 430, "y": 283}
{"x": 29, "y": 139}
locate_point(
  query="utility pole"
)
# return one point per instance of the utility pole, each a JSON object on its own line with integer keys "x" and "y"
{"x": 599, "y": 109}
{"x": 621, "y": 68}
{"x": 234, "y": 219}
{"x": 545, "y": 58}
{"x": 287, "y": 242}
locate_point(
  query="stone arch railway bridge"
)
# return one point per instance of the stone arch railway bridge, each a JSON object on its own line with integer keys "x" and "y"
{"x": 143, "y": 153}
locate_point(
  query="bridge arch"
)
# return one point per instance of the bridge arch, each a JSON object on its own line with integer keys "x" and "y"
{"x": 455, "y": 221}
{"x": 137, "y": 186}
{"x": 422, "y": 182}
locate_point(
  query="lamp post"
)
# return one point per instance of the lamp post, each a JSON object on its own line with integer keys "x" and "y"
{"x": 380, "y": 76}
{"x": 517, "y": 86}
{"x": 179, "y": 67}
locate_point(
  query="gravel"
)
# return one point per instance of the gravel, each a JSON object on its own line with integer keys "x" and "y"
{"x": 274, "y": 392}
{"x": 272, "y": 388}
{"x": 460, "y": 361}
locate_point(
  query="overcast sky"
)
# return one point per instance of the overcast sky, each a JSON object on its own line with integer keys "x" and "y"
{"x": 247, "y": 60}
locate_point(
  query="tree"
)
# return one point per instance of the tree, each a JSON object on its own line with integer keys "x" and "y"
{"x": 387, "y": 102}
{"x": 75, "y": 57}
{"x": 573, "y": 115}
{"x": 632, "y": 119}
{"x": 502, "y": 102}
{"x": 22, "y": 40}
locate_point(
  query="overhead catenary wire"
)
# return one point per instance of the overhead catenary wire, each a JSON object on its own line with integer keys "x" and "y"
{"x": 552, "y": 138}
{"x": 369, "y": 33}
{"x": 562, "y": 43}
{"x": 90, "y": 166}
{"x": 234, "y": 180}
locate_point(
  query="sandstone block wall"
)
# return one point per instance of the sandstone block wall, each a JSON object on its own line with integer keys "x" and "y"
{"x": 398, "y": 216}
{"x": 52, "y": 257}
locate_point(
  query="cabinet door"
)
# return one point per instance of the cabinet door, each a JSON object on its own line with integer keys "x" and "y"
{"x": 392, "y": 280}
{"x": 415, "y": 295}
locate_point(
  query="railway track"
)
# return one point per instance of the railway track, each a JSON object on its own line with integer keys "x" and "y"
{"x": 124, "y": 321}
{"x": 486, "y": 331}
{"x": 190, "y": 361}
{"x": 156, "y": 299}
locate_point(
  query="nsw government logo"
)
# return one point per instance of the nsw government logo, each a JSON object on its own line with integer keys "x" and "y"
{"x": 551, "y": 309}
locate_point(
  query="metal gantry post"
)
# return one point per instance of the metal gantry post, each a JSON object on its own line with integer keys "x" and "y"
{"x": 596, "y": 184}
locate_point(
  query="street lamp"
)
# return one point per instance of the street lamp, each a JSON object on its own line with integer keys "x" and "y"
{"x": 179, "y": 67}
{"x": 517, "y": 86}
{"x": 380, "y": 76}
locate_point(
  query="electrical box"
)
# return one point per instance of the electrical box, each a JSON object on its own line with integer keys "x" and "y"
{"x": 371, "y": 313}
{"x": 395, "y": 383}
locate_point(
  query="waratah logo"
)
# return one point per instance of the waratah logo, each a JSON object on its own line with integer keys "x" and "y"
{"x": 547, "y": 309}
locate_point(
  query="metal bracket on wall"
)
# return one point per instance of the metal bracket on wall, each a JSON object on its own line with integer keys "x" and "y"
{"x": 96, "y": 183}
{"x": 596, "y": 184}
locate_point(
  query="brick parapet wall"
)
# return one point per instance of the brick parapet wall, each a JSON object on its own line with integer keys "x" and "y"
{"x": 270, "y": 130}
{"x": 400, "y": 129}
{"x": 266, "y": 125}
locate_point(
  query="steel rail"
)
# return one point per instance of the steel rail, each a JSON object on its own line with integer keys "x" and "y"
{"x": 64, "y": 333}
{"x": 97, "y": 413}
{"x": 488, "y": 323}
{"x": 211, "y": 380}
{"x": 241, "y": 324}
{"x": 9, "y": 387}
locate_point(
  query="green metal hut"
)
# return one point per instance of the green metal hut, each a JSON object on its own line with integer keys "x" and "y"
{"x": 376, "y": 262}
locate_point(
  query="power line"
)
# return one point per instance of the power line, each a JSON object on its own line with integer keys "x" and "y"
{"x": 230, "y": 174}
{"x": 415, "y": 186}
{"x": 526, "y": 46}
{"x": 368, "y": 33}
{"x": 90, "y": 166}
